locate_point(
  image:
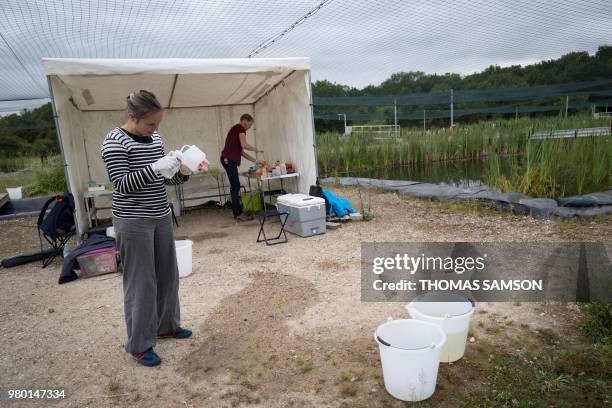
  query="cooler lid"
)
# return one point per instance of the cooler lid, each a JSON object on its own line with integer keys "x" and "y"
{"x": 299, "y": 200}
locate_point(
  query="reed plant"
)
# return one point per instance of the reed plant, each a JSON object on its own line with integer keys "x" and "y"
{"x": 543, "y": 168}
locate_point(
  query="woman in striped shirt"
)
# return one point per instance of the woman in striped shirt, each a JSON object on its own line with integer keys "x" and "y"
{"x": 135, "y": 160}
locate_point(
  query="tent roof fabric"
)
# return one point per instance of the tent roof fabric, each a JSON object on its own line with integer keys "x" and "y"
{"x": 103, "y": 84}
{"x": 170, "y": 66}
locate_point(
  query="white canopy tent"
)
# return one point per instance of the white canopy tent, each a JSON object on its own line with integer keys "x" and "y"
{"x": 203, "y": 99}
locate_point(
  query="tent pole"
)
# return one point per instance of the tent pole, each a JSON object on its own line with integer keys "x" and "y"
{"x": 59, "y": 140}
{"x": 314, "y": 139}
{"x": 172, "y": 92}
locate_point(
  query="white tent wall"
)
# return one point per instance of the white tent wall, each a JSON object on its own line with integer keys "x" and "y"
{"x": 284, "y": 130}
{"x": 71, "y": 133}
{"x": 204, "y": 127}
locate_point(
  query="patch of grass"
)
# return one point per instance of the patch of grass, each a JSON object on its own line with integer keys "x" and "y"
{"x": 113, "y": 386}
{"x": 248, "y": 385}
{"x": 548, "y": 336}
{"x": 305, "y": 367}
{"x": 420, "y": 404}
{"x": 348, "y": 390}
{"x": 596, "y": 320}
{"x": 494, "y": 329}
{"x": 48, "y": 180}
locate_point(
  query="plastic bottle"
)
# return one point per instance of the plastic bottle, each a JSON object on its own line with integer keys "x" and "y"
{"x": 283, "y": 168}
{"x": 66, "y": 249}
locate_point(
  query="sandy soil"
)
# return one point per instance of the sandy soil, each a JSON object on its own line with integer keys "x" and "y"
{"x": 273, "y": 326}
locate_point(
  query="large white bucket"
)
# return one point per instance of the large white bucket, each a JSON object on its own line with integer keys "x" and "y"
{"x": 184, "y": 257}
{"x": 410, "y": 357}
{"x": 452, "y": 312}
{"x": 14, "y": 193}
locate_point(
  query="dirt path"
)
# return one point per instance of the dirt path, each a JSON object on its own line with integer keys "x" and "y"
{"x": 273, "y": 326}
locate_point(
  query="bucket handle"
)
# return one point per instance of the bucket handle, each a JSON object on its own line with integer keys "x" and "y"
{"x": 431, "y": 346}
{"x": 383, "y": 342}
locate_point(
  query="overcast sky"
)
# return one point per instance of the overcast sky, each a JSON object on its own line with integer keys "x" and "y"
{"x": 353, "y": 42}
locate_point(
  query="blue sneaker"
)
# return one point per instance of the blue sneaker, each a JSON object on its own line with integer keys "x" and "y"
{"x": 178, "y": 333}
{"x": 147, "y": 358}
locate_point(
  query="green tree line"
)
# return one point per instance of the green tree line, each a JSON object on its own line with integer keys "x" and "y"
{"x": 571, "y": 67}
{"x": 31, "y": 133}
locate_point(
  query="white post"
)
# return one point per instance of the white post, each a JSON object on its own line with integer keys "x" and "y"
{"x": 452, "y": 109}
{"x": 516, "y": 112}
{"x": 566, "y": 104}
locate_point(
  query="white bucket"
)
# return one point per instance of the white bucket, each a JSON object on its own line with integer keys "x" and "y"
{"x": 452, "y": 312}
{"x": 410, "y": 357}
{"x": 184, "y": 256}
{"x": 14, "y": 193}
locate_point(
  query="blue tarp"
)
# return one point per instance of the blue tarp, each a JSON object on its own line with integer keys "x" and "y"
{"x": 337, "y": 205}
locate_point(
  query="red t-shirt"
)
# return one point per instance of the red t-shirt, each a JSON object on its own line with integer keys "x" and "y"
{"x": 233, "y": 149}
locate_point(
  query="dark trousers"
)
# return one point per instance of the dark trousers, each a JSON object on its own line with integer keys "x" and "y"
{"x": 150, "y": 279}
{"x": 231, "y": 168}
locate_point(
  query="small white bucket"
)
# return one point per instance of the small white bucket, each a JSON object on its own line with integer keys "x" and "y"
{"x": 452, "y": 312}
{"x": 410, "y": 357}
{"x": 14, "y": 193}
{"x": 184, "y": 257}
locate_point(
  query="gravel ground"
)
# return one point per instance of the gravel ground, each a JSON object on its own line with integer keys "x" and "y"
{"x": 273, "y": 326}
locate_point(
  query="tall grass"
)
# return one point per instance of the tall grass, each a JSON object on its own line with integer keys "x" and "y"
{"x": 538, "y": 167}
{"x": 36, "y": 178}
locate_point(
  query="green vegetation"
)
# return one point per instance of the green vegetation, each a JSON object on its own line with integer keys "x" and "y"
{"x": 30, "y": 134}
{"x": 572, "y": 67}
{"x": 512, "y": 162}
{"x": 534, "y": 368}
{"x": 597, "y": 321}
{"x": 36, "y": 178}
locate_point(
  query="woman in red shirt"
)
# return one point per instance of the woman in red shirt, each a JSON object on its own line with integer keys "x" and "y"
{"x": 234, "y": 150}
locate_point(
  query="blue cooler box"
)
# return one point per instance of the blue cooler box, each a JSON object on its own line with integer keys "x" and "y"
{"x": 306, "y": 214}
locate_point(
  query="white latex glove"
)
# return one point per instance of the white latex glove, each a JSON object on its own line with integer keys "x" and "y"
{"x": 167, "y": 166}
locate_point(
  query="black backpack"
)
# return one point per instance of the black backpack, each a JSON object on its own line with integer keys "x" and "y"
{"x": 317, "y": 191}
{"x": 60, "y": 219}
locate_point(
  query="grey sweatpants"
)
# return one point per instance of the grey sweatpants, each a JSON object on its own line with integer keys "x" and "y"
{"x": 150, "y": 279}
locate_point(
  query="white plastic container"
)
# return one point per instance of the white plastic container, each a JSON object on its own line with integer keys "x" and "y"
{"x": 192, "y": 157}
{"x": 306, "y": 214}
{"x": 410, "y": 357}
{"x": 110, "y": 232}
{"x": 452, "y": 312}
{"x": 184, "y": 257}
{"x": 14, "y": 193}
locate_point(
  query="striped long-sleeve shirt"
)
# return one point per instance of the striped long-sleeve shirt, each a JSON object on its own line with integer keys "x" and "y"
{"x": 139, "y": 191}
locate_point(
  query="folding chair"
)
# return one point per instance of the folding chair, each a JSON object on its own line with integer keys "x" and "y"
{"x": 278, "y": 217}
{"x": 56, "y": 227}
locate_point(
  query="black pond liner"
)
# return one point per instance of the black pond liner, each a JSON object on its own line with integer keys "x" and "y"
{"x": 584, "y": 206}
{"x": 22, "y": 208}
